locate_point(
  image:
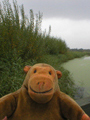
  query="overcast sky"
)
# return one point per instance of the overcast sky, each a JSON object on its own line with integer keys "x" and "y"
{"x": 69, "y": 19}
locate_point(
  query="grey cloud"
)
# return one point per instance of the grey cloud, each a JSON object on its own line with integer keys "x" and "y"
{"x": 72, "y": 9}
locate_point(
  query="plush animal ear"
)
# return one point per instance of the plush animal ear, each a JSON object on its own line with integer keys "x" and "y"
{"x": 26, "y": 68}
{"x": 59, "y": 74}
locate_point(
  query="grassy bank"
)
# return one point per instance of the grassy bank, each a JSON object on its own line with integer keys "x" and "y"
{"x": 22, "y": 42}
{"x": 12, "y": 75}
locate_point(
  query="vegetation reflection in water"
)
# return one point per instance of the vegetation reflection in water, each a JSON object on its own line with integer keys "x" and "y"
{"x": 80, "y": 71}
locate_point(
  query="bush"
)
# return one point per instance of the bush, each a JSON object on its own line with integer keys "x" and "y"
{"x": 55, "y": 46}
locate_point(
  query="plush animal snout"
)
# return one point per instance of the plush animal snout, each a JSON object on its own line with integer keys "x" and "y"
{"x": 40, "y": 84}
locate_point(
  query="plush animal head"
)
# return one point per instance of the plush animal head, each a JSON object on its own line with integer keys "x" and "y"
{"x": 41, "y": 81}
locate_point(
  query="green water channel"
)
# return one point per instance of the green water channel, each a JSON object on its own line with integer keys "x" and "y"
{"x": 80, "y": 71}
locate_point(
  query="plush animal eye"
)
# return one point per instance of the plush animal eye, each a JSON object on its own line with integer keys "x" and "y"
{"x": 35, "y": 71}
{"x": 49, "y": 72}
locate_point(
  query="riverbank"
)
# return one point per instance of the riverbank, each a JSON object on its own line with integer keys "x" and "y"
{"x": 12, "y": 75}
{"x": 24, "y": 43}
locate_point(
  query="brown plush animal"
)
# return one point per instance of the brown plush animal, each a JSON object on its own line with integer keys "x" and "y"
{"x": 40, "y": 98}
{"x": 5, "y": 118}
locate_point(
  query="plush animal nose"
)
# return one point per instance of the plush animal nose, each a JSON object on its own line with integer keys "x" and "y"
{"x": 41, "y": 84}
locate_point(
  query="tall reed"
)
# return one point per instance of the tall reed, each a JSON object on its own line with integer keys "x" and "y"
{"x": 22, "y": 37}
